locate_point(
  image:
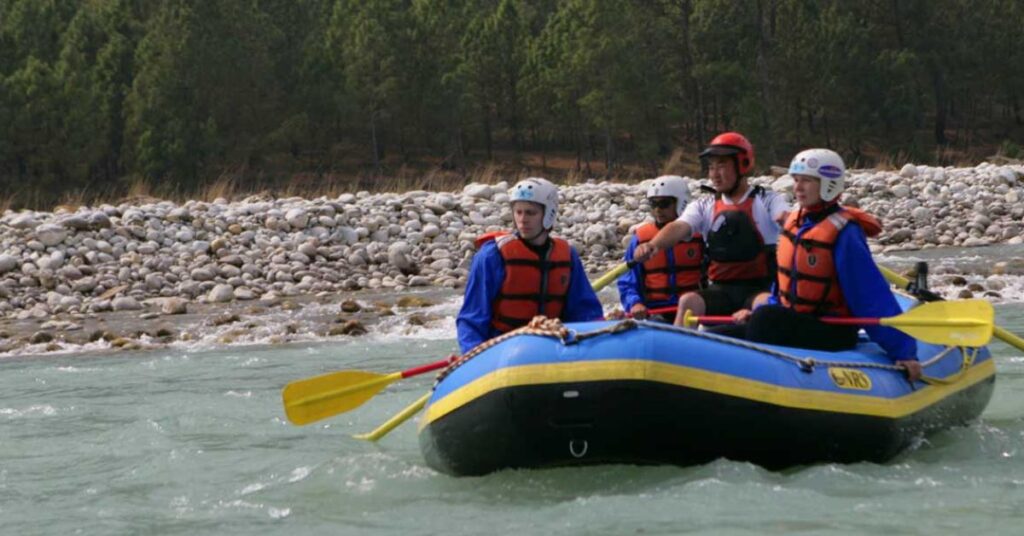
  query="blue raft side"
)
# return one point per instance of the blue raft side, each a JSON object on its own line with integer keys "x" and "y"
{"x": 685, "y": 350}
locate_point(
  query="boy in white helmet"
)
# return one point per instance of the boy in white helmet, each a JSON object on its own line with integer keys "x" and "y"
{"x": 516, "y": 276}
{"x": 825, "y": 269}
{"x": 740, "y": 226}
{"x": 658, "y": 282}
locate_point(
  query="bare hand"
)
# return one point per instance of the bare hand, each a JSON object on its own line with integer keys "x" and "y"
{"x": 615, "y": 314}
{"x": 644, "y": 252}
{"x": 913, "y": 367}
{"x": 639, "y": 311}
{"x": 741, "y": 316}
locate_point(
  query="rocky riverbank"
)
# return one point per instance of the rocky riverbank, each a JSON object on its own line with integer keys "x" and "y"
{"x": 150, "y": 261}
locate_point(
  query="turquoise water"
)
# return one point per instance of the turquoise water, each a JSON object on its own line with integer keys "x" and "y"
{"x": 176, "y": 442}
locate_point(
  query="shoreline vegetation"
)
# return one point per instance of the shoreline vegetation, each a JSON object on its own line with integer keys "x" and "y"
{"x": 181, "y": 98}
{"x": 146, "y": 273}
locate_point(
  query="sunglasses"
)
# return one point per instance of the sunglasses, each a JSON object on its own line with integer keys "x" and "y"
{"x": 664, "y": 202}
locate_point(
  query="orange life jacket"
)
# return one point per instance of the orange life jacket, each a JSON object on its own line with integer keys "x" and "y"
{"x": 532, "y": 285}
{"x": 735, "y": 246}
{"x": 810, "y": 262}
{"x": 663, "y": 280}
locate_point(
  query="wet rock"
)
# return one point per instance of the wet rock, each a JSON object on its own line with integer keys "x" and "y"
{"x": 1010, "y": 267}
{"x": 350, "y": 327}
{"x": 413, "y": 301}
{"x": 124, "y": 344}
{"x": 965, "y": 295}
{"x": 957, "y": 280}
{"x": 40, "y": 337}
{"x": 228, "y": 318}
{"x": 231, "y": 336}
{"x": 421, "y": 319}
{"x": 350, "y": 306}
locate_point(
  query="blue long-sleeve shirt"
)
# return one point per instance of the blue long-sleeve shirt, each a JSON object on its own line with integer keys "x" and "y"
{"x": 486, "y": 275}
{"x": 629, "y": 283}
{"x": 866, "y": 291}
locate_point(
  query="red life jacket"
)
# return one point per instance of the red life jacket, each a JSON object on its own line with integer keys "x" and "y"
{"x": 532, "y": 285}
{"x": 810, "y": 262}
{"x": 662, "y": 280}
{"x": 735, "y": 246}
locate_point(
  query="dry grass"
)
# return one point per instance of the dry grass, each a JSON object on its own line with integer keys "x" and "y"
{"x": 428, "y": 173}
{"x": 225, "y": 186}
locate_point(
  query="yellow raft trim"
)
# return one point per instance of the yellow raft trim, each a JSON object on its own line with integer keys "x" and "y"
{"x": 609, "y": 370}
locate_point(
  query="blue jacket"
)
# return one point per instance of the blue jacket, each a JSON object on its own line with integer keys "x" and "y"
{"x": 865, "y": 289}
{"x": 486, "y": 275}
{"x": 629, "y": 282}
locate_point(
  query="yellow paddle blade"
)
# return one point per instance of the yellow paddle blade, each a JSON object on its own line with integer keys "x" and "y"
{"x": 612, "y": 275}
{"x": 398, "y": 419}
{"x": 1002, "y": 333}
{"x": 952, "y": 323}
{"x": 316, "y": 398}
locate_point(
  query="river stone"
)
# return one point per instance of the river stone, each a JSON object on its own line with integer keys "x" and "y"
{"x": 201, "y": 274}
{"x": 125, "y": 303}
{"x": 297, "y": 218}
{"x": 78, "y": 222}
{"x": 479, "y": 191}
{"x": 399, "y": 256}
{"x": 99, "y": 220}
{"x": 221, "y": 293}
{"x": 51, "y": 234}
{"x": 174, "y": 306}
{"x": 8, "y": 263}
{"x": 24, "y": 221}
{"x": 922, "y": 215}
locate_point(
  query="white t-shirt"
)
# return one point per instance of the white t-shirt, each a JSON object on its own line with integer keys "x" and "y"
{"x": 768, "y": 208}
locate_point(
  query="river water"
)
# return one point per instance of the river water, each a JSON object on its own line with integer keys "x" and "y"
{"x": 195, "y": 442}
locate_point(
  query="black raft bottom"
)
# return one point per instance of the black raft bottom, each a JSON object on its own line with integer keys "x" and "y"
{"x": 640, "y": 422}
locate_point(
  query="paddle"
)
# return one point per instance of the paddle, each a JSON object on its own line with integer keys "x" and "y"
{"x": 323, "y": 396}
{"x": 952, "y": 323}
{"x": 612, "y": 275}
{"x": 904, "y": 283}
{"x": 416, "y": 406}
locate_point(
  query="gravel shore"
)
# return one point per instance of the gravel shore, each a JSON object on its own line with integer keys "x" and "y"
{"x": 150, "y": 273}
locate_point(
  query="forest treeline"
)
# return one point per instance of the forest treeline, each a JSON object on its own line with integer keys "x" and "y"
{"x": 96, "y": 92}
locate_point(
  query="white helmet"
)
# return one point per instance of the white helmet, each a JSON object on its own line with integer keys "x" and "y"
{"x": 824, "y": 164}
{"x": 671, "y": 186}
{"x": 540, "y": 191}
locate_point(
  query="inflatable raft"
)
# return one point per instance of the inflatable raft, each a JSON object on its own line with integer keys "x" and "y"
{"x": 647, "y": 393}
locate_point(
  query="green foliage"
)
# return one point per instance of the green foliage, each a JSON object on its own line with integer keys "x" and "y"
{"x": 187, "y": 90}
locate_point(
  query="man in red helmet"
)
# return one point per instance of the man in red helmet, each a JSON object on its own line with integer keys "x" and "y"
{"x": 740, "y": 225}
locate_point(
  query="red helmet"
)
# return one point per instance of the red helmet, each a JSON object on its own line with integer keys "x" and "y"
{"x": 732, "y": 144}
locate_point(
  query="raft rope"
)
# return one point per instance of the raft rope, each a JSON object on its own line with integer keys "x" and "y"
{"x": 542, "y": 326}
